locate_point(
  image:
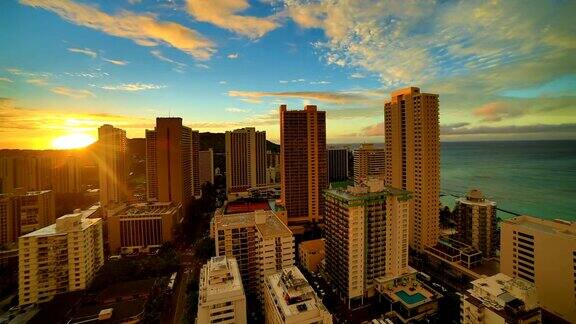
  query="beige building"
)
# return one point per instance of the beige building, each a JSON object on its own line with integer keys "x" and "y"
{"x": 368, "y": 163}
{"x": 412, "y": 157}
{"x": 260, "y": 242}
{"x": 304, "y": 171}
{"x": 9, "y": 224}
{"x": 142, "y": 228}
{"x": 366, "y": 230}
{"x": 59, "y": 258}
{"x": 35, "y": 209}
{"x": 310, "y": 254}
{"x": 542, "y": 252}
{"x": 245, "y": 161}
{"x": 206, "y": 168}
{"x": 112, "y": 165}
{"x": 476, "y": 221}
{"x": 289, "y": 298}
{"x": 169, "y": 162}
{"x": 221, "y": 296}
{"x": 67, "y": 175}
{"x": 500, "y": 299}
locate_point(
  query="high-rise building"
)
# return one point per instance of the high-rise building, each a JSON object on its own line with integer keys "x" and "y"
{"x": 272, "y": 168}
{"x": 67, "y": 175}
{"x": 143, "y": 227}
{"x": 206, "y": 169}
{"x": 36, "y": 209}
{"x": 59, "y": 258}
{"x": 412, "y": 151}
{"x": 337, "y": 165}
{"x": 500, "y": 299}
{"x": 169, "y": 162}
{"x": 245, "y": 160}
{"x": 9, "y": 221}
{"x": 195, "y": 160}
{"x": 476, "y": 222}
{"x": 259, "y": 240}
{"x": 368, "y": 163}
{"x": 221, "y": 297}
{"x": 303, "y": 163}
{"x": 366, "y": 231}
{"x": 112, "y": 165}
{"x": 289, "y": 298}
{"x": 542, "y": 252}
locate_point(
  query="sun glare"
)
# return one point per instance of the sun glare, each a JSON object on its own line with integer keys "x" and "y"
{"x": 72, "y": 141}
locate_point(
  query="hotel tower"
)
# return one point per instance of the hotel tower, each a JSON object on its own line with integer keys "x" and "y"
{"x": 303, "y": 164}
{"x": 412, "y": 153}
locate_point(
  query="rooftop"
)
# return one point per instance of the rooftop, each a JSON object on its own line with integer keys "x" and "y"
{"x": 371, "y": 189}
{"x": 150, "y": 209}
{"x": 500, "y": 290}
{"x": 292, "y": 292}
{"x": 266, "y": 222}
{"x": 220, "y": 276}
{"x": 556, "y": 226}
{"x": 53, "y": 230}
{"x": 246, "y": 205}
{"x": 312, "y": 245}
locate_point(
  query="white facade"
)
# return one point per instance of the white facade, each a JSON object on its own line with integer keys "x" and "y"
{"x": 289, "y": 298}
{"x": 500, "y": 299}
{"x": 59, "y": 258}
{"x": 221, "y": 294}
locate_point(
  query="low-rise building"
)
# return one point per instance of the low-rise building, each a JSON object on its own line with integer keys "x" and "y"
{"x": 500, "y": 299}
{"x": 142, "y": 227}
{"x": 221, "y": 296}
{"x": 310, "y": 254}
{"x": 59, "y": 258}
{"x": 289, "y": 298}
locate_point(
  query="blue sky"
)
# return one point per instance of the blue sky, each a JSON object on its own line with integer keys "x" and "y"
{"x": 503, "y": 69}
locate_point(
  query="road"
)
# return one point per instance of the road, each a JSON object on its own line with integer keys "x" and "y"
{"x": 179, "y": 300}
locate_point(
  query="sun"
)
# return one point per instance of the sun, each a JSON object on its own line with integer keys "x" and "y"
{"x": 72, "y": 141}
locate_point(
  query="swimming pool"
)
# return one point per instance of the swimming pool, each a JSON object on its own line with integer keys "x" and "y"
{"x": 410, "y": 299}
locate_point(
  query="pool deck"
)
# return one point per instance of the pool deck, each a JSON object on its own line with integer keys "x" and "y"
{"x": 410, "y": 286}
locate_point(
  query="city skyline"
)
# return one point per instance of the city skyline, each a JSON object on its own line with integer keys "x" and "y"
{"x": 508, "y": 73}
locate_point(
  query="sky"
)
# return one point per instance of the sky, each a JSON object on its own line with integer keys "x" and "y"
{"x": 504, "y": 70}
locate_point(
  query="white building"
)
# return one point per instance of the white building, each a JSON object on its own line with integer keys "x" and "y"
{"x": 221, "y": 294}
{"x": 500, "y": 299}
{"x": 59, "y": 258}
{"x": 289, "y": 298}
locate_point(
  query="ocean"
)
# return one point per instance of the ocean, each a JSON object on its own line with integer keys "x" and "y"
{"x": 536, "y": 178}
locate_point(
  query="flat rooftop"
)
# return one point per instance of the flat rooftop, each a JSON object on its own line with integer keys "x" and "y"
{"x": 273, "y": 226}
{"x": 149, "y": 209}
{"x": 51, "y": 229}
{"x": 268, "y": 224}
{"x": 220, "y": 276}
{"x": 246, "y": 205}
{"x": 312, "y": 245}
{"x": 556, "y": 226}
{"x": 345, "y": 194}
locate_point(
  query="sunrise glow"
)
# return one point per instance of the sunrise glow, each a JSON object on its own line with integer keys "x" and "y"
{"x": 72, "y": 141}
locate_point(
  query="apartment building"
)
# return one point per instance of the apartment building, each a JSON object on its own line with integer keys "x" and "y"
{"x": 260, "y": 242}
{"x": 221, "y": 297}
{"x": 366, "y": 230}
{"x": 412, "y": 157}
{"x": 245, "y": 161}
{"x": 206, "y": 167}
{"x": 143, "y": 227}
{"x": 59, "y": 258}
{"x": 476, "y": 222}
{"x": 500, "y": 299}
{"x": 304, "y": 171}
{"x": 368, "y": 163}
{"x": 337, "y": 165}
{"x": 542, "y": 252}
{"x": 289, "y": 298}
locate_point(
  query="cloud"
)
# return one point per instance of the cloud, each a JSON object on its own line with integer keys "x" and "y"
{"x": 39, "y": 82}
{"x": 133, "y": 87}
{"x": 233, "y": 56}
{"x": 202, "y": 66}
{"x": 374, "y": 130}
{"x": 5, "y": 80}
{"x": 320, "y": 82}
{"x": 73, "y": 93}
{"x": 497, "y": 111}
{"x": 330, "y": 97}
{"x": 158, "y": 54}
{"x": 236, "y": 110}
{"x": 144, "y": 29}
{"x": 511, "y": 129}
{"x": 222, "y": 82}
{"x": 357, "y": 75}
{"x": 85, "y": 51}
{"x": 224, "y": 14}
{"x": 115, "y": 62}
